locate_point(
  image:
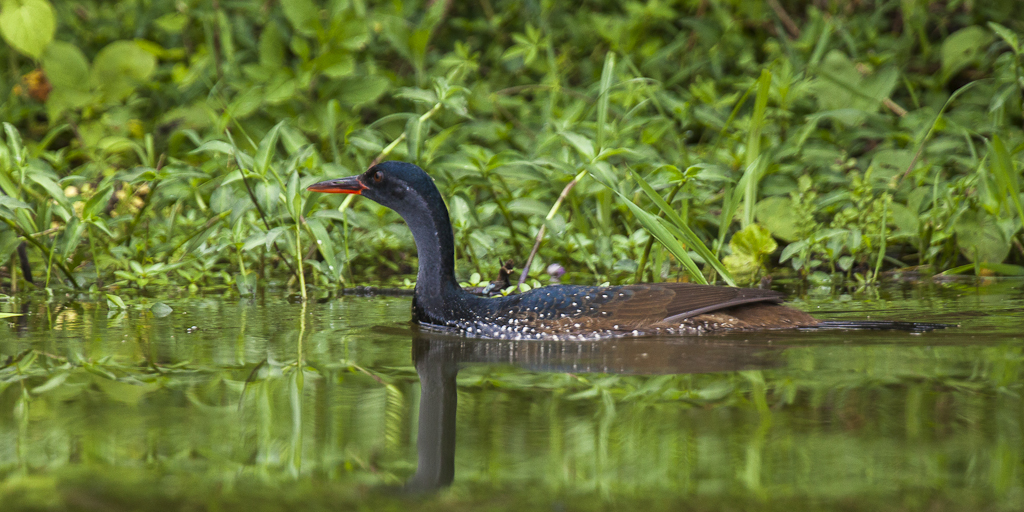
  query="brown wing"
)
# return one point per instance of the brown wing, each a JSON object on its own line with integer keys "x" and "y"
{"x": 694, "y": 299}
{"x": 581, "y": 309}
{"x": 643, "y": 305}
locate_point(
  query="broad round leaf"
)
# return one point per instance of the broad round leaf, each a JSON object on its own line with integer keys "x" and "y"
{"x": 777, "y": 214}
{"x": 965, "y": 47}
{"x": 120, "y": 67}
{"x": 66, "y": 66}
{"x": 27, "y": 25}
{"x": 981, "y": 238}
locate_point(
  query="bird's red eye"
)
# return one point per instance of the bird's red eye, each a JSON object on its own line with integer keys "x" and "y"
{"x": 378, "y": 177}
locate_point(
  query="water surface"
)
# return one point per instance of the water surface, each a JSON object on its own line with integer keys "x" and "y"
{"x": 229, "y": 404}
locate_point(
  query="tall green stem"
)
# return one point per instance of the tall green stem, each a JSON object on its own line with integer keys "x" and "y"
{"x": 298, "y": 258}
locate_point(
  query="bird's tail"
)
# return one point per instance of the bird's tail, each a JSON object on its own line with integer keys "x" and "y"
{"x": 879, "y": 326}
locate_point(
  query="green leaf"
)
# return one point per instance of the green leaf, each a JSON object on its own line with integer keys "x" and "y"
{"x": 12, "y": 203}
{"x": 203, "y": 235}
{"x": 273, "y": 235}
{"x": 271, "y": 47}
{"x": 215, "y": 146}
{"x": 1006, "y": 174}
{"x": 304, "y": 16}
{"x": 266, "y": 148}
{"x": 906, "y": 221}
{"x": 847, "y": 92}
{"x": 682, "y": 230}
{"x": 413, "y": 131}
{"x": 66, "y": 67}
{"x": 335, "y": 64}
{"x": 325, "y": 246}
{"x": 417, "y": 95}
{"x": 963, "y": 48}
{"x": 750, "y": 248}
{"x": 753, "y": 240}
{"x": 757, "y": 122}
{"x": 1003, "y": 269}
{"x": 52, "y": 383}
{"x": 777, "y": 214}
{"x": 124, "y": 392}
{"x": 136, "y": 267}
{"x": 72, "y": 235}
{"x": 603, "y": 99}
{"x": 27, "y": 25}
{"x": 583, "y": 145}
{"x": 14, "y": 142}
{"x": 9, "y": 241}
{"x": 980, "y": 237}
{"x": 51, "y": 187}
{"x": 161, "y": 310}
{"x": 292, "y": 195}
{"x": 792, "y": 249}
{"x": 120, "y": 67}
{"x": 529, "y": 206}
{"x": 115, "y": 301}
{"x": 95, "y": 205}
{"x": 656, "y": 227}
{"x": 1008, "y": 35}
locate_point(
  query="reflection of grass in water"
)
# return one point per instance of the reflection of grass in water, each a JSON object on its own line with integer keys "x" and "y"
{"x": 864, "y": 422}
{"x": 891, "y": 426}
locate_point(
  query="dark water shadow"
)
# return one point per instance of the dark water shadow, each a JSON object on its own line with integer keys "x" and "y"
{"x": 438, "y": 358}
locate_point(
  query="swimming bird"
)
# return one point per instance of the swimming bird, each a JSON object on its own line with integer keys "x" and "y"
{"x": 561, "y": 312}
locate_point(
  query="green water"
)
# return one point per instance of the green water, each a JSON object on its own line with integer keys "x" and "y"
{"x": 268, "y": 404}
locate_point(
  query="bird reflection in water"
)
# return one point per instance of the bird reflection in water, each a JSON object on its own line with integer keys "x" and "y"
{"x": 438, "y": 357}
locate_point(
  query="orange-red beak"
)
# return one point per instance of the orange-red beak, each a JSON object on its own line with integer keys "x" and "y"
{"x": 350, "y": 185}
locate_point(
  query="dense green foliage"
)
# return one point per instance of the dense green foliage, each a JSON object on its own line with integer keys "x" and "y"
{"x": 153, "y": 142}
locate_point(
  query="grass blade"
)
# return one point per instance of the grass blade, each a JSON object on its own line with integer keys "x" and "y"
{"x": 682, "y": 230}
{"x": 1006, "y": 175}
{"x": 656, "y": 227}
{"x": 602, "y": 102}
{"x": 753, "y": 154}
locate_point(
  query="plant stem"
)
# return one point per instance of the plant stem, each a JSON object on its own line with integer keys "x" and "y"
{"x": 14, "y": 276}
{"x": 28, "y": 238}
{"x": 298, "y": 258}
{"x": 639, "y": 275}
{"x": 551, "y": 215}
{"x": 241, "y": 267}
{"x": 95, "y": 259}
{"x": 391, "y": 147}
{"x": 881, "y": 236}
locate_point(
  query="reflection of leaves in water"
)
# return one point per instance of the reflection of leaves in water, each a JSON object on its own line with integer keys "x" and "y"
{"x": 886, "y": 405}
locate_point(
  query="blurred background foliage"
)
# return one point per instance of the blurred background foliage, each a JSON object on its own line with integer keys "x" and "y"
{"x": 156, "y": 142}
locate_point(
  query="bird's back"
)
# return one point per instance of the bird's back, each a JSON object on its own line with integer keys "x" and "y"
{"x": 586, "y": 312}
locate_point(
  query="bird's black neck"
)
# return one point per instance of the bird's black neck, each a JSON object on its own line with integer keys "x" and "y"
{"x": 437, "y": 291}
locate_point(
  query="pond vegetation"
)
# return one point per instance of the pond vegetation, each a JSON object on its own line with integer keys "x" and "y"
{"x": 161, "y": 143}
{"x": 175, "y": 334}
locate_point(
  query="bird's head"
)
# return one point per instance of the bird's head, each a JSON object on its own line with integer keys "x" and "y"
{"x": 401, "y": 186}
